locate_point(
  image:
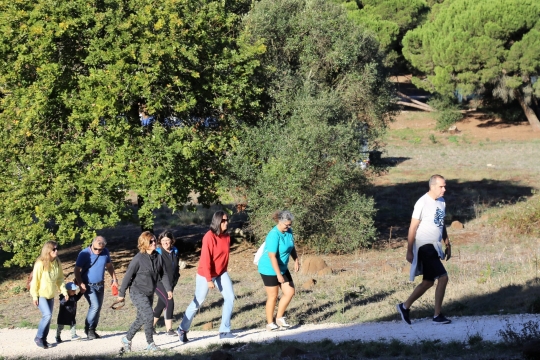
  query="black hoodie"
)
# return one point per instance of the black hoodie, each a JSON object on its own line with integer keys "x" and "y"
{"x": 143, "y": 274}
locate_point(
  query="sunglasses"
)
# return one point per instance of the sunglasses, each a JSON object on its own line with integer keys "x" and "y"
{"x": 152, "y": 241}
{"x": 224, "y": 220}
{"x": 98, "y": 250}
{"x": 55, "y": 249}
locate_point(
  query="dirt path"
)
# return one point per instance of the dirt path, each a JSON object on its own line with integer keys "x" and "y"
{"x": 17, "y": 343}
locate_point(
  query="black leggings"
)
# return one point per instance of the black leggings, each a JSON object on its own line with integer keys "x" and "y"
{"x": 144, "y": 317}
{"x": 163, "y": 303}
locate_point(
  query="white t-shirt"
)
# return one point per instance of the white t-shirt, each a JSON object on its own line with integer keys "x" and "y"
{"x": 431, "y": 215}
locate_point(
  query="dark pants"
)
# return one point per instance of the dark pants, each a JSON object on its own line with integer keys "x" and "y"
{"x": 163, "y": 303}
{"x": 145, "y": 315}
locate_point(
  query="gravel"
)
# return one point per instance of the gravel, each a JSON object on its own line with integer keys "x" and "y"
{"x": 17, "y": 343}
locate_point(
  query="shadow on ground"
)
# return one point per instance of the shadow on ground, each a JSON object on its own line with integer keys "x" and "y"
{"x": 464, "y": 201}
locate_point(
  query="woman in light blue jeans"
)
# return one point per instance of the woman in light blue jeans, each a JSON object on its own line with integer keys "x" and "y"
{"x": 47, "y": 277}
{"x": 212, "y": 273}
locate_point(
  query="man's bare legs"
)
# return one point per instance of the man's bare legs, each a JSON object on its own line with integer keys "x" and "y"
{"x": 439, "y": 293}
{"x": 423, "y": 287}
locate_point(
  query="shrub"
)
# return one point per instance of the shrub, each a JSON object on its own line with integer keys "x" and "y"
{"x": 328, "y": 94}
{"x": 530, "y": 331}
{"x": 522, "y": 218}
{"x": 447, "y": 112}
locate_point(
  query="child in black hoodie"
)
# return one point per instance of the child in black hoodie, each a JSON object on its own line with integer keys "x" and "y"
{"x": 68, "y": 312}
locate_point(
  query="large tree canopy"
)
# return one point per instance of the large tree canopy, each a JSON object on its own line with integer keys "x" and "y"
{"x": 388, "y": 19}
{"x": 74, "y": 76}
{"x": 329, "y": 94}
{"x": 474, "y": 46}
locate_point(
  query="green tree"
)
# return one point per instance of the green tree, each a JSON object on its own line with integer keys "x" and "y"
{"x": 74, "y": 76}
{"x": 480, "y": 46}
{"x": 389, "y": 20}
{"x": 327, "y": 94}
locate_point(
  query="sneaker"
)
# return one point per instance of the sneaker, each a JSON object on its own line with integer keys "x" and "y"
{"x": 75, "y": 337}
{"x": 40, "y": 343}
{"x": 404, "y": 313}
{"x": 92, "y": 334}
{"x": 272, "y": 327}
{"x": 59, "y": 340}
{"x": 182, "y": 336}
{"x": 171, "y": 332}
{"x": 441, "y": 319}
{"x": 227, "y": 335}
{"x": 282, "y": 323}
{"x": 152, "y": 347}
{"x": 126, "y": 344}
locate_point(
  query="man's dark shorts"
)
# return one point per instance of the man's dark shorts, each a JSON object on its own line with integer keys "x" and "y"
{"x": 432, "y": 267}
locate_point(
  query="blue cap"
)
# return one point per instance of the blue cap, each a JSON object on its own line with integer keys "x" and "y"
{"x": 72, "y": 286}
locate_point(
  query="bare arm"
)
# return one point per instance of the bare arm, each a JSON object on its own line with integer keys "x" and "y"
{"x": 110, "y": 270}
{"x": 78, "y": 277}
{"x": 446, "y": 239}
{"x": 411, "y": 237}
{"x": 296, "y": 260}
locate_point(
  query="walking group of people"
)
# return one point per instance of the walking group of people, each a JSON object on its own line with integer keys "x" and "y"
{"x": 155, "y": 270}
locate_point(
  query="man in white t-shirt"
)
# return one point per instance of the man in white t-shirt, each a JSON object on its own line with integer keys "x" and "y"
{"x": 424, "y": 248}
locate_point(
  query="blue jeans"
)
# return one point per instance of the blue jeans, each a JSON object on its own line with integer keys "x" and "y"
{"x": 46, "y": 308}
{"x": 224, "y": 284}
{"x": 94, "y": 295}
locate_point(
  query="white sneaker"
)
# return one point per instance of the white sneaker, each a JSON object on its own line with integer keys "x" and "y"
{"x": 282, "y": 323}
{"x": 272, "y": 327}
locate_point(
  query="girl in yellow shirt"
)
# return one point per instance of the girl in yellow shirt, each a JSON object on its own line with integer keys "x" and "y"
{"x": 46, "y": 278}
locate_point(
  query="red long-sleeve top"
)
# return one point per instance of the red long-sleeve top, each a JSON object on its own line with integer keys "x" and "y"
{"x": 214, "y": 255}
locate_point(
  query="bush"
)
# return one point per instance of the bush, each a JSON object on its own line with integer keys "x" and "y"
{"x": 522, "y": 218}
{"x": 530, "y": 331}
{"x": 308, "y": 166}
{"x": 328, "y": 94}
{"x": 447, "y": 112}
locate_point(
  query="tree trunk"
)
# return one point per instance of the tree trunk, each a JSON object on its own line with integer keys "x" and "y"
{"x": 424, "y": 105}
{"x": 529, "y": 112}
{"x": 414, "y": 106}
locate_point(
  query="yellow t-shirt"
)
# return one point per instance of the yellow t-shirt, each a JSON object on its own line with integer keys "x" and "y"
{"x": 45, "y": 282}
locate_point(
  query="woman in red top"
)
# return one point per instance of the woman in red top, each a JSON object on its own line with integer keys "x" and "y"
{"x": 212, "y": 273}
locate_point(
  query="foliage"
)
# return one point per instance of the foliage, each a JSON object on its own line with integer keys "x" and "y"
{"x": 529, "y": 331}
{"x": 474, "y": 46}
{"x": 521, "y": 218}
{"x": 328, "y": 95}
{"x": 74, "y": 76}
{"x": 447, "y": 112}
{"x": 389, "y": 20}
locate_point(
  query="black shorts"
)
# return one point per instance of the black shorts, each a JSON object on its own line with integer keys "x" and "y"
{"x": 432, "y": 267}
{"x": 271, "y": 280}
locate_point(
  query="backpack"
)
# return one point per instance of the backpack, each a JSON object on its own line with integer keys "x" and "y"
{"x": 259, "y": 253}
